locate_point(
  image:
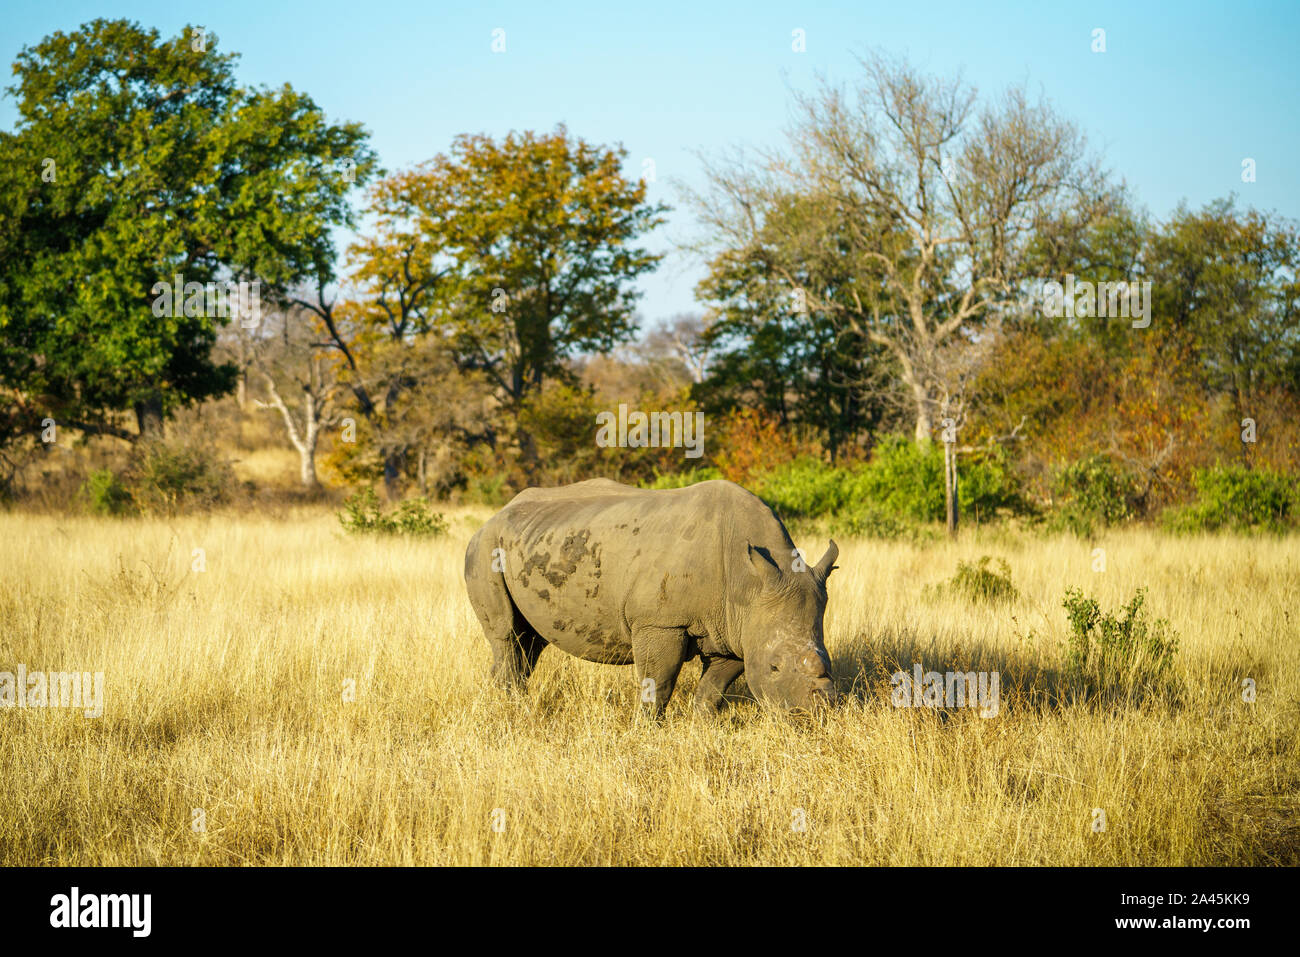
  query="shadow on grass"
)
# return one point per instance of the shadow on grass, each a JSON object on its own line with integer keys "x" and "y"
{"x": 1028, "y": 679}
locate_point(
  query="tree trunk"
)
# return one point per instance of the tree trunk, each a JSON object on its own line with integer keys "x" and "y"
{"x": 304, "y": 440}
{"x": 924, "y": 424}
{"x": 528, "y": 456}
{"x": 950, "y": 492}
{"x": 307, "y": 468}
{"x": 307, "y": 451}
{"x": 149, "y": 418}
{"x": 393, "y": 463}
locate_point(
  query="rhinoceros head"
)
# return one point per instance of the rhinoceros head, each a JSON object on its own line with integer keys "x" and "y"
{"x": 786, "y": 664}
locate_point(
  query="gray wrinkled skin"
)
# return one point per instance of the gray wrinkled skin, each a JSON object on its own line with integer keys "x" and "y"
{"x": 654, "y": 578}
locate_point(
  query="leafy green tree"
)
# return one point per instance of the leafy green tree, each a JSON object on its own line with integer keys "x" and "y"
{"x": 135, "y": 159}
{"x": 772, "y": 352}
{"x": 1101, "y": 238}
{"x": 521, "y": 252}
{"x": 1226, "y": 284}
{"x": 542, "y": 229}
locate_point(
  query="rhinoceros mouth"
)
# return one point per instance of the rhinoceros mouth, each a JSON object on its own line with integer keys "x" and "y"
{"x": 817, "y": 696}
{"x": 819, "y": 699}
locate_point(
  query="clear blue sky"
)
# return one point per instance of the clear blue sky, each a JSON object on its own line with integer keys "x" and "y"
{"x": 1183, "y": 93}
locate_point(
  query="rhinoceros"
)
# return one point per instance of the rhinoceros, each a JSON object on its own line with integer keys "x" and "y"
{"x": 654, "y": 578}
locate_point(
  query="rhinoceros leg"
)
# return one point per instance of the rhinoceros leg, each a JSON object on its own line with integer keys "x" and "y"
{"x": 717, "y": 675}
{"x": 515, "y": 657}
{"x": 658, "y": 654}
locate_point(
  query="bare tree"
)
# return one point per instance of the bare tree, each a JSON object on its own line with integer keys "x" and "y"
{"x": 681, "y": 339}
{"x": 956, "y": 370}
{"x": 956, "y": 367}
{"x": 901, "y": 211}
{"x": 296, "y": 367}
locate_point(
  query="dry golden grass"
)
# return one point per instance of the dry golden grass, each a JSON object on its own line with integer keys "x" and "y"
{"x": 265, "y": 467}
{"x": 225, "y": 693}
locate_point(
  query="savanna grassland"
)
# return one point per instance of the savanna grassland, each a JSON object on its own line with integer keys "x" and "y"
{"x": 228, "y": 691}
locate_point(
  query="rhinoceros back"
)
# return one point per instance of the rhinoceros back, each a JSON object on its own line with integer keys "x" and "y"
{"x": 586, "y": 564}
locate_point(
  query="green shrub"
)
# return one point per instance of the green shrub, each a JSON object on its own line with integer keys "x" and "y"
{"x": 105, "y": 493}
{"x": 682, "y": 479}
{"x": 1107, "y": 652}
{"x": 978, "y": 583}
{"x": 987, "y": 485}
{"x": 487, "y": 490}
{"x": 805, "y": 488}
{"x": 1238, "y": 498}
{"x": 170, "y": 475}
{"x": 361, "y": 512}
{"x": 907, "y": 480}
{"x": 413, "y": 517}
{"x": 901, "y": 485}
{"x": 868, "y": 520}
{"x": 1091, "y": 492}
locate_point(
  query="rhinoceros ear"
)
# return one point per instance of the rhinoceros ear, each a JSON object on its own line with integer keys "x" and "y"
{"x": 763, "y": 566}
{"x": 827, "y": 564}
